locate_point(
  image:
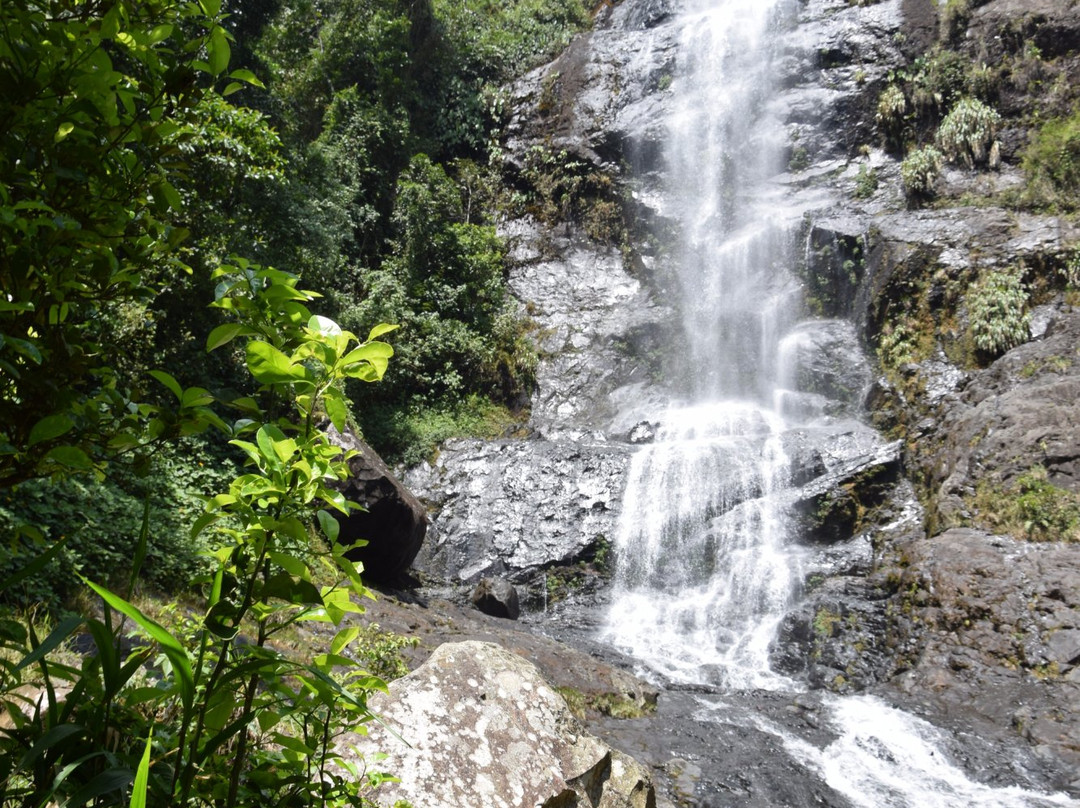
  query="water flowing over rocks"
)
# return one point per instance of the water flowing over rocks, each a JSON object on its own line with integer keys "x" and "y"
{"x": 908, "y": 589}
{"x": 477, "y": 725}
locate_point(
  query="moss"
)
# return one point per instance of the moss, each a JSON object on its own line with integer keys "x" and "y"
{"x": 1030, "y": 508}
{"x": 615, "y": 705}
{"x": 825, "y": 623}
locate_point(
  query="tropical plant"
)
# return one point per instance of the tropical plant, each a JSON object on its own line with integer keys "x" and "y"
{"x": 279, "y": 718}
{"x": 92, "y": 122}
{"x": 997, "y": 310}
{"x": 920, "y": 170}
{"x": 967, "y": 134}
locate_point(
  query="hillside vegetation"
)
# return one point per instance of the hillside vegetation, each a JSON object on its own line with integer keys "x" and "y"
{"x": 217, "y": 224}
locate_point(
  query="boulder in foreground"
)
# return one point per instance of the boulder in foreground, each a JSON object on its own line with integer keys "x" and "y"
{"x": 485, "y": 730}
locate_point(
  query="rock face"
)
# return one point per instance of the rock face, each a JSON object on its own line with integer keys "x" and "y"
{"x": 394, "y": 524}
{"x": 484, "y": 729}
{"x": 513, "y": 508}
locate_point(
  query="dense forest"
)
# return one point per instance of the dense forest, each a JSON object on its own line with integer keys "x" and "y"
{"x": 201, "y": 207}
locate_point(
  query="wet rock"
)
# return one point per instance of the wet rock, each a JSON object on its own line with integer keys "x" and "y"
{"x": 514, "y": 508}
{"x": 825, "y": 357}
{"x": 394, "y": 523}
{"x": 832, "y": 506}
{"x": 986, "y": 611}
{"x": 1022, "y": 411}
{"x": 497, "y": 598}
{"x": 642, "y": 432}
{"x": 477, "y": 725}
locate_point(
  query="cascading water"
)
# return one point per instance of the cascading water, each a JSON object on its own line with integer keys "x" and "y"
{"x": 706, "y": 572}
{"x": 705, "y": 562}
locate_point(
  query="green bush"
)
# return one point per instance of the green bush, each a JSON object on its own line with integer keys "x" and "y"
{"x": 967, "y": 134}
{"x": 997, "y": 311}
{"x": 920, "y": 170}
{"x": 1052, "y": 162}
{"x": 100, "y": 522}
{"x": 1030, "y": 508}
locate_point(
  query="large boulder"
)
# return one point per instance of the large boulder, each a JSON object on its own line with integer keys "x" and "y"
{"x": 394, "y": 523}
{"x": 477, "y": 725}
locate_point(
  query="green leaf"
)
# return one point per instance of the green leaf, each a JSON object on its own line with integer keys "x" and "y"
{"x": 63, "y": 130}
{"x": 218, "y": 51}
{"x": 323, "y": 325}
{"x": 247, "y": 76}
{"x": 71, "y": 456}
{"x": 170, "y": 195}
{"x": 142, "y": 774}
{"x": 35, "y": 566}
{"x": 343, "y": 639}
{"x": 169, "y": 382}
{"x": 270, "y": 366}
{"x": 330, "y": 525}
{"x": 380, "y": 329}
{"x": 49, "y": 427}
{"x": 210, "y": 7}
{"x": 170, "y": 646}
{"x": 335, "y": 408}
{"x": 64, "y": 629}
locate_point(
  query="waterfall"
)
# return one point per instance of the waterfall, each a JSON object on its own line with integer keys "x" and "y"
{"x": 705, "y": 562}
{"x": 705, "y": 570}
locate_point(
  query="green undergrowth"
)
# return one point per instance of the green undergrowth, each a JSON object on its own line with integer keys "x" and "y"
{"x": 1030, "y": 508}
{"x": 412, "y": 435}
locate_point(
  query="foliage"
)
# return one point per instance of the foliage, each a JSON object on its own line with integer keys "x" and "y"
{"x": 997, "y": 310}
{"x": 444, "y": 283}
{"x": 92, "y": 119}
{"x": 279, "y": 719}
{"x": 1030, "y": 508}
{"x": 866, "y": 182}
{"x": 967, "y": 134}
{"x": 466, "y": 50}
{"x": 920, "y": 170}
{"x": 565, "y": 188}
{"x": 410, "y": 435}
{"x": 954, "y": 18}
{"x": 891, "y": 110}
{"x": 1052, "y": 162}
{"x": 99, "y": 523}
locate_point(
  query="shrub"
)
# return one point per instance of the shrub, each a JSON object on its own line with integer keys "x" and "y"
{"x": 967, "y": 133}
{"x": 866, "y": 182}
{"x": 1030, "y": 508}
{"x": 997, "y": 311}
{"x": 920, "y": 171}
{"x": 1052, "y": 161}
{"x": 891, "y": 108}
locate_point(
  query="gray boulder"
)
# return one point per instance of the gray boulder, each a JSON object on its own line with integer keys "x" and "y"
{"x": 477, "y": 725}
{"x": 497, "y": 598}
{"x": 395, "y": 522}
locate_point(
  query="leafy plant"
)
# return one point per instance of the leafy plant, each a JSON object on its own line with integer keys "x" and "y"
{"x": 1052, "y": 162}
{"x": 1030, "y": 508}
{"x": 920, "y": 170}
{"x": 92, "y": 121}
{"x": 967, "y": 134}
{"x": 279, "y": 718}
{"x": 997, "y": 310}
{"x": 891, "y": 109}
{"x": 866, "y": 181}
